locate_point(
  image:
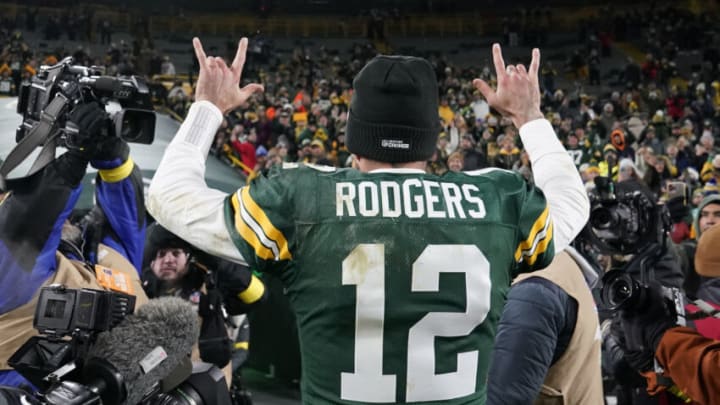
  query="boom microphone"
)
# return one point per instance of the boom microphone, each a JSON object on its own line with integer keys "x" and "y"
{"x": 129, "y": 361}
{"x": 148, "y": 346}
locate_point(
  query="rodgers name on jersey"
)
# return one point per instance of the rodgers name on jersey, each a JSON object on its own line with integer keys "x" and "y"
{"x": 411, "y": 198}
{"x": 397, "y": 278}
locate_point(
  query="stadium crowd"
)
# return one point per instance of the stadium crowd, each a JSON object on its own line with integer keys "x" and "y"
{"x": 651, "y": 123}
{"x": 665, "y": 117}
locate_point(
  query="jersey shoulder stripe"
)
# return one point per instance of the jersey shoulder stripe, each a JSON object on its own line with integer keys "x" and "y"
{"x": 538, "y": 239}
{"x": 245, "y": 232}
{"x": 255, "y": 228}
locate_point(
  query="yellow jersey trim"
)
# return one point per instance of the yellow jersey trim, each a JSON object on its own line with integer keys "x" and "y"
{"x": 542, "y": 246}
{"x": 538, "y": 238}
{"x": 269, "y": 232}
{"x": 246, "y": 233}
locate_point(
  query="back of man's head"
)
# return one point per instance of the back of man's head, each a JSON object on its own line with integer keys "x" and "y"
{"x": 394, "y": 109}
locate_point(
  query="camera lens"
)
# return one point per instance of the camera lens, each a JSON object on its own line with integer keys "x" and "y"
{"x": 137, "y": 126}
{"x": 129, "y": 131}
{"x": 602, "y": 218}
{"x": 619, "y": 290}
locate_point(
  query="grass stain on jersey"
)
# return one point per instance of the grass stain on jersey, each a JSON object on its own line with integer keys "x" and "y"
{"x": 365, "y": 258}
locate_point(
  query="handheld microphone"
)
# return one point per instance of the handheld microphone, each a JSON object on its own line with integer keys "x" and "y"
{"x": 130, "y": 360}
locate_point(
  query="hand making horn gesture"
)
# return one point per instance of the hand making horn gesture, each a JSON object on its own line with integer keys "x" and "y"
{"x": 518, "y": 92}
{"x": 219, "y": 83}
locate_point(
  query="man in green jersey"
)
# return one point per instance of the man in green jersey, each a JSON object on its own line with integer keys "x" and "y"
{"x": 397, "y": 277}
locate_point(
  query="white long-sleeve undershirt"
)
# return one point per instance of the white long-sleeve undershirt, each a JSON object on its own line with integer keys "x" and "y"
{"x": 555, "y": 174}
{"x": 181, "y": 201}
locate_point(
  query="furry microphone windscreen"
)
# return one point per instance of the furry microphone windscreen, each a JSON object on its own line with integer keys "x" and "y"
{"x": 148, "y": 345}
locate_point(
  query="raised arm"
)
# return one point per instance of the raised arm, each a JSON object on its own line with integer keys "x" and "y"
{"x": 178, "y": 197}
{"x": 518, "y": 97}
{"x": 119, "y": 196}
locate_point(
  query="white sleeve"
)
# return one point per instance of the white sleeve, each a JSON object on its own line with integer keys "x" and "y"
{"x": 556, "y": 175}
{"x": 179, "y": 199}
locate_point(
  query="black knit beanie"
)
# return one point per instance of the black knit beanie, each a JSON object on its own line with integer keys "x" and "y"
{"x": 394, "y": 110}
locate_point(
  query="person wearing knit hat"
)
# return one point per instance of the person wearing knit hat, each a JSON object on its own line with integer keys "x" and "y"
{"x": 710, "y": 173}
{"x": 628, "y": 171}
{"x": 360, "y": 252}
{"x": 393, "y": 112}
{"x": 708, "y": 215}
{"x": 609, "y": 166}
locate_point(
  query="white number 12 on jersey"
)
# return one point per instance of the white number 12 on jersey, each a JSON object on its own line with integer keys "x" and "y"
{"x": 364, "y": 267}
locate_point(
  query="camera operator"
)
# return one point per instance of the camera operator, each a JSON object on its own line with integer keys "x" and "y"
{"x": 38, "y": 244}
{"x": 687, "y": 358}
{"x": 627, "y": 224}
{"x": 219, "y": 288}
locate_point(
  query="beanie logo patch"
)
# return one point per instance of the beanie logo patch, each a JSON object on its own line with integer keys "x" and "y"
{"x": 394, "y": 144}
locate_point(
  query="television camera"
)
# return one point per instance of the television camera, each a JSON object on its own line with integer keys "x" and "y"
{"x": 69, "y": 322}
{"x": 46, "y": 102}
{"x": 625, "y": 220}
{"x": 59, "y": 362}
{"x": 127, "y": 100}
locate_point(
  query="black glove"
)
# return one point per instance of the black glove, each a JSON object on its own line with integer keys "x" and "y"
{"x": 233, "y": 279}
{"x": 90, "y": 135}
{"x": 614, "y": 355}
{"x": 644, "y": 327}
{"x": 214, "y": 343}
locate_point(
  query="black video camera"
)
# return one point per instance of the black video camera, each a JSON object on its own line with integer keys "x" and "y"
{"x": 69, "y": 321}
{"x": 61, "y": 313}
{"x": 623, "y": 218}
{"x": 127, "y": 99}
{"x": 622, "y": 292}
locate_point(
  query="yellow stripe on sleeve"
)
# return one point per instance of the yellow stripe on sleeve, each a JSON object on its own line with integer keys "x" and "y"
{"x": 542, "y": 245}
{"x": 267, "y": 227}
{"x": 537, "y": 227}
{"x": 246, "y": 233}
{"x": 242, "y": 345}
{"x": 253, "y": 292}
{"x": 117, "y": 174}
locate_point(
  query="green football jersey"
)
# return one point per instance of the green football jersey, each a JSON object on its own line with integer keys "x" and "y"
{"x": 579, "y": 154}
{"x": 397, "y": 280}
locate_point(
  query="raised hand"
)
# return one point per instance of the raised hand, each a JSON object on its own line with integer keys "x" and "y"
{"x": 219, "y": 83}
{"x": 518, "y": 92}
